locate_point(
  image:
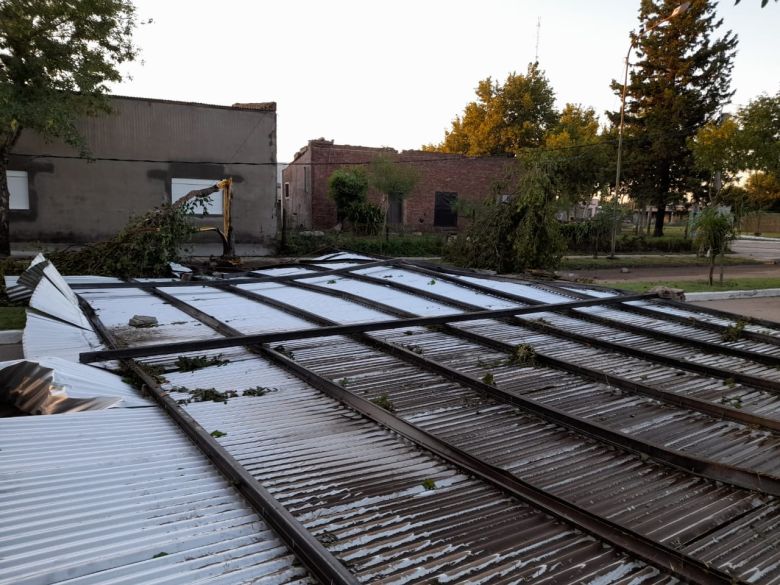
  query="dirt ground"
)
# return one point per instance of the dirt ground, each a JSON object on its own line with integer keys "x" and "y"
{"x": 672, "y": 273}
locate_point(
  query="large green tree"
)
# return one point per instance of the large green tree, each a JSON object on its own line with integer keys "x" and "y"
{"x": 579, "y": 153}
{"x": 505, "y": 118}
{"x": 759, "y": 137}
{"x": 56, "y": 60}
{"x": 680, "y": 81}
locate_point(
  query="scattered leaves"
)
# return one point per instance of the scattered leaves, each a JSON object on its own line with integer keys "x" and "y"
{"x": 190, "y": 364}
{"x": 217, "y": 434}
{"x": 429, "y": 484}
{"x": 733, "y": 332}
{"x": 384, "y": 401}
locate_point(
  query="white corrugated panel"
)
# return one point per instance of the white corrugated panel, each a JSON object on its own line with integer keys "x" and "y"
{"x": 383, "y": 294}
{"x": 332, "y": 308}
{"x": 44, "y": 336}
{"x": 121, "y": 496}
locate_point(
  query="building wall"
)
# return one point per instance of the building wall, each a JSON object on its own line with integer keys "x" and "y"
{"x": 471, "y": 178}
{"x": 296, "y": 192}
{"x": 73, "y": 200}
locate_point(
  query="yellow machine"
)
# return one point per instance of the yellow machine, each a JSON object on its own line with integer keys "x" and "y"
{"x": 226, "y": 233}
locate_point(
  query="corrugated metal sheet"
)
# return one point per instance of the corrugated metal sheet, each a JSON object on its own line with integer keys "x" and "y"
{"x": 122, "y": 497}
{"x": 363, "y": 491}
{"x": 56, "y": 386}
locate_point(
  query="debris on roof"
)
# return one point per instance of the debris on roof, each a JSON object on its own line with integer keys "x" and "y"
{"x": 426, "y": 424}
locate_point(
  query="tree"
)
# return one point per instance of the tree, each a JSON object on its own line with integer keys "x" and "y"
{"x": 579, "y": 154}
{"x": 518, "y": 232}
{"x": 763, "y": 191}
{"x": 505, "y": 118}
{"x": 759, "y": 138}
{"x": 347, "y": 187}
{"x": 679, "y": 83}
{"x": 714, "y": 229}
{"x": 56, "y": 60}
{"x": 393, "y": 180}
{"x": 715, "y": 151}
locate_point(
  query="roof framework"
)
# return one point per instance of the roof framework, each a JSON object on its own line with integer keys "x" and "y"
{"x": 626, "y": 418}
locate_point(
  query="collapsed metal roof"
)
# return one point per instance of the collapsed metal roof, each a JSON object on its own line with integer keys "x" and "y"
{"x": 428, "y": 425}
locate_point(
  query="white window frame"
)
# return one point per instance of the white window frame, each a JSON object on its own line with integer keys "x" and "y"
{"x": 19, "y": 187}
{"x": 180, "y": 186}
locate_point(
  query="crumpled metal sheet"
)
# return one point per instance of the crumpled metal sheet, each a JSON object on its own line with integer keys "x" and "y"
{"x": 25, "y": 284}
{"x": 57, "y": 386}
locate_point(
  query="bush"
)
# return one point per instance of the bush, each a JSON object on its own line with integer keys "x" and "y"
{"x": 588, "y": 236}
{"x": 366, "y": 218}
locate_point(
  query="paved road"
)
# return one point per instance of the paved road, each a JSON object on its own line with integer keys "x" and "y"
{"x": 763, "y": 308}
{"x": 764, "y": 249}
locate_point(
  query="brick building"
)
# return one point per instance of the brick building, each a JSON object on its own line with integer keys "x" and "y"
{"x": 444, "y": 180}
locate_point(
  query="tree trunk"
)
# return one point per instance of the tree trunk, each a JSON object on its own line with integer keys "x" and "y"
{"x": 660, "y": 215}
{"x": 712, "y": 264}
{"x": 722, "y": 259}
{"x": 5, "y": 205}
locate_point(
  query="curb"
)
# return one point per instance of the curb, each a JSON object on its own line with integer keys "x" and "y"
{"x": 733, "y": 294}
{"x": 10, "y": 336}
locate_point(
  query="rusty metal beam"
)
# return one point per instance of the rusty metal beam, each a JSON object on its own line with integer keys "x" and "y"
{"x": 635, "y": 544}
{"x": 312, "y": 554}
{"x": 181, "y": 347}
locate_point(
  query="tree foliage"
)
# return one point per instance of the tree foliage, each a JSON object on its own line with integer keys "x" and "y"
{"x": 347, "y": 187}
{"x": 680, "y": 81}
{"x": 143, "y": 248}
{"x": 56, "y": 61}
{"x": 518, "y": 232}
{"x": 504, "y": 118}
{"x": 581, "y": 157}
{"x": 759, "y": 138}
{"x": 714, "y": 229}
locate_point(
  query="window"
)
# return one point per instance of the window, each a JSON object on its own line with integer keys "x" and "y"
{"x": 18, "y": 187}
{"x": 287, "y": 190}
{"x": 306, "y": 179}
{"x": 180, "y": 187}
{"x": 444, "y": 214}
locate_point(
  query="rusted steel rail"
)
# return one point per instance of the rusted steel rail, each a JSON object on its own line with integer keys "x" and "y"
{"x": 710, "y": 469}
{"x": 589, "y": 317}
{"x": 312, "y": 554}
{"x": 550, "y": 329}
{"x": 636, "y": 545}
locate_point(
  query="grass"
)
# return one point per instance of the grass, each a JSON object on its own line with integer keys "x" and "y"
{"x": 700, "y": 285}
{"x": 628, "y": 261}
{"x": 12, "y": 318}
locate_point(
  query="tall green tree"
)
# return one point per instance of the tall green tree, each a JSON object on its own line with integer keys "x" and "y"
{"x": 505, "y": 118}
{"x": 680, "y": 81}
{"x": 56, "y": 61}
{"x": 579, "y": 153}
{"x": 759, "y": 137}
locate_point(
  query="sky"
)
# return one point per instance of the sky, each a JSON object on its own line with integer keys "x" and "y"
{"x": 395, "y": 73}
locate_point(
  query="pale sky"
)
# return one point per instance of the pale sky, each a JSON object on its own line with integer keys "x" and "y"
{"x": 395, "y": 73}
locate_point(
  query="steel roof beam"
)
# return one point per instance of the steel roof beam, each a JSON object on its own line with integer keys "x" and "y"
{"x": 637, "y": 545}
{"x": 234, "y": 341}
{"x": 312, "y": 554}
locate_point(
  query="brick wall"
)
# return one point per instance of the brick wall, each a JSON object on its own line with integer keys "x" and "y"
{"x": 471, "y": 178}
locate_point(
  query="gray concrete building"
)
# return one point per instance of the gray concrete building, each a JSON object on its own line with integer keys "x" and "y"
{"x": 146, "y": 153}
